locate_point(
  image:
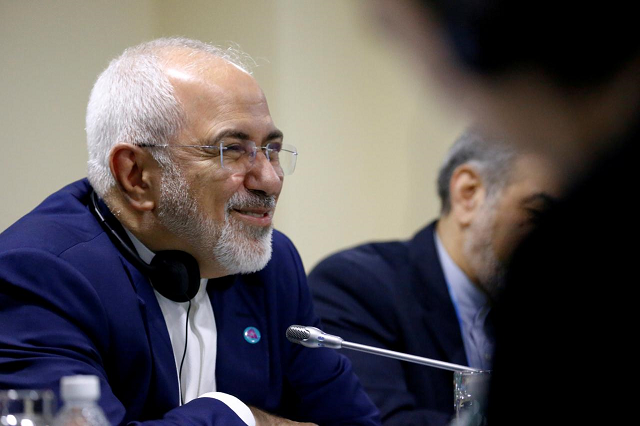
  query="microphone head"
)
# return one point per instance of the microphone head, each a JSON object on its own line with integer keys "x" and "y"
{"x": 312, "y": 337}
{"x": 297, "y": 333}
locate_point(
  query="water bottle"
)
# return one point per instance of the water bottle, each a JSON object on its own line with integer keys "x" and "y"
{"x": 79, "y": 395}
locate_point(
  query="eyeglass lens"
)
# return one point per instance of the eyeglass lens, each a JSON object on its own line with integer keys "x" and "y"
{"x": 282, "y": 157}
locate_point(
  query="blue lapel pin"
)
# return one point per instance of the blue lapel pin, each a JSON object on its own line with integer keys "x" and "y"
{"x": 252, "y": 335}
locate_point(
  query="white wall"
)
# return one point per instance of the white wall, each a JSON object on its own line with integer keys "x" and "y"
{"x": 370, "y": 132}
{"x": 50, "y": 54}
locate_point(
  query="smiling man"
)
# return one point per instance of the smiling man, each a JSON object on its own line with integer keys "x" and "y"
{"x": 161, "y": 274}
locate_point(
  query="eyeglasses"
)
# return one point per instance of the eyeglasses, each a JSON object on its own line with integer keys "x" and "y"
{"x": 240, "y": 155}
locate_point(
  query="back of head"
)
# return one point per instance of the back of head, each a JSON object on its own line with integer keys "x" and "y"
{"x": 575, "y": 43}
{"x": 134, "y": 102}
{"x": 492, "y": 158}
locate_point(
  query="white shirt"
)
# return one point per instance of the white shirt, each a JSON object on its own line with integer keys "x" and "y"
{"x": 472, "y": 307}
{"x": 199, "y": 366}
{"x": 198, "y": 377}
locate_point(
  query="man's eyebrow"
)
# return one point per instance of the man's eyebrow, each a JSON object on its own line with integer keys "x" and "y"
{"x": 235, "y": 134}
{"x": 543, "y": 197}
{"x": 276, "y": 134}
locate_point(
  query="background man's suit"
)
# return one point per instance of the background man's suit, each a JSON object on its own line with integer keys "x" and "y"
{"x": 394, "y": 295}
{"x": 70, "y": 303}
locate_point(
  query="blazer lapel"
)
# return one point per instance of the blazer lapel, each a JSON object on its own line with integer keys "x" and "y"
{"x": 439, "y": 316}
{"x": 242, "y": 364}
{"x": 164, "y": 390}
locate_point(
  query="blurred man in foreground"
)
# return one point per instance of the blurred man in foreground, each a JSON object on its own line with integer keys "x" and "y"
{"x": 161, "y": 274}
{"x": 432, "y": 296}
{"x": 562, "y": 78}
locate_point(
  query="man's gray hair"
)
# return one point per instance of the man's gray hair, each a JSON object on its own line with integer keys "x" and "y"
{"x": 134, "y": 102}
{"x": 493, "y": 159}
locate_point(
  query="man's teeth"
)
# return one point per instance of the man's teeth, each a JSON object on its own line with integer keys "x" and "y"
{"x": 251, "y": 213}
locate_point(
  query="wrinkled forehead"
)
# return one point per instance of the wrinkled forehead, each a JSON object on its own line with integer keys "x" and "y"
{"x": 216, "y": 95}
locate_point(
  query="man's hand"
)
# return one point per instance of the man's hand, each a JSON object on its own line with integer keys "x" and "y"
{"x": 266, "y": 419}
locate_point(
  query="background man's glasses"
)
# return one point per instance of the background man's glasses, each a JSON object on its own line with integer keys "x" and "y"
{"x": 240, "y": 155}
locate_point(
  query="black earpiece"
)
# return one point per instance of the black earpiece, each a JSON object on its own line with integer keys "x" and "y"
{"x": 174, "y": 274}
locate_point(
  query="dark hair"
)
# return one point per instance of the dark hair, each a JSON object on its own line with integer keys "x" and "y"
{"x": 576, "y": 43}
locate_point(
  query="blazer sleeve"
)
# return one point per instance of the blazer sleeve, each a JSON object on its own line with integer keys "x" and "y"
{"x": 356, "y": 297}
{"x": 53, "y": 324}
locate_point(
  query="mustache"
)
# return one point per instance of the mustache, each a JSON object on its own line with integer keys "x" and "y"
{"x": 244, "y": 200}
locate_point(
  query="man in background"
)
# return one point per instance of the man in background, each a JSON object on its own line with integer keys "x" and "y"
{"x": 161, "y": 274}
{"x": 432, "y": 296}
{"x": 563, "y": 79}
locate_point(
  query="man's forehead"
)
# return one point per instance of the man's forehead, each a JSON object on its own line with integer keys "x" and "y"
{"x": 533, "y": 167}
{"x": 212, "y": 79}
{"x": 534, "y": 174}
{"x": 219, "y": 98}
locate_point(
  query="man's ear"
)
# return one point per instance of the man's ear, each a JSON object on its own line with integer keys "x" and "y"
{"x": 467, "y": 192}
{"x": 133, "y": 169}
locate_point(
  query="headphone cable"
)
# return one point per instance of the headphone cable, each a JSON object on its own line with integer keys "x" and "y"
{"x": 184, "y": 354}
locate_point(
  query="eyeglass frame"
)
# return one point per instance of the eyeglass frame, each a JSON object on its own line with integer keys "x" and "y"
{"x": 248, "y": 146}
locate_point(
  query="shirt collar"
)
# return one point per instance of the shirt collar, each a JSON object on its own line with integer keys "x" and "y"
{"x": 147, "y": 256}
{"x": 466, "y": 296}
{"x": 144, "y": 253}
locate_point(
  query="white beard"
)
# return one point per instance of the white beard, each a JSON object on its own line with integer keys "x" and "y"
{"x": 236, "y": 247}
{"x": 242, "y": 248}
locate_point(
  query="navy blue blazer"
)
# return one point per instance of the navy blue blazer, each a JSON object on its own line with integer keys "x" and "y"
{"x": 70, "y": 303}
{"x": 393, "y": 295}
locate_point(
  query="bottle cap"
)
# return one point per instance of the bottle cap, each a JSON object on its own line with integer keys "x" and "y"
{"x": 80, "y": 387}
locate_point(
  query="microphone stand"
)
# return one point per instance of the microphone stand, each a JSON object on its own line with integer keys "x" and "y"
{"x": 313, "y": 337}
{"x": 406, "y": 357}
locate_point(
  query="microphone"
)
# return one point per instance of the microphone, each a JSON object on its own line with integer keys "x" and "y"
{"x": 313, "y": 337}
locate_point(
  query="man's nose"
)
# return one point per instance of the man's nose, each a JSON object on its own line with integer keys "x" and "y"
{"x": 263, "y": 177}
